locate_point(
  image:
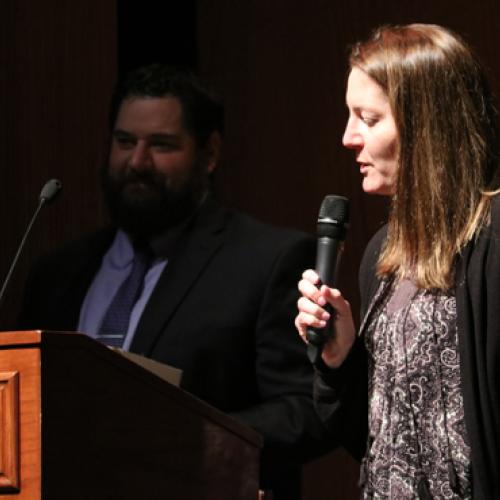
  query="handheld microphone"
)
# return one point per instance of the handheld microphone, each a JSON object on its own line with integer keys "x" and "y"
{"x": 333, "y": 221}
{"x": 47, "y": 194}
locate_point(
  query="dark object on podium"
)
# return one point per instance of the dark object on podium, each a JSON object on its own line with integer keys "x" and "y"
{"x": 80, "y": 421}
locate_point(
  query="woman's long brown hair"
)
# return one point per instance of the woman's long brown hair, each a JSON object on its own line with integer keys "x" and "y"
{"x": 447, "y": 172}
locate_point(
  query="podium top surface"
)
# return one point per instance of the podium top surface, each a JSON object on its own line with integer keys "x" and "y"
{"x": 73, "y": 342}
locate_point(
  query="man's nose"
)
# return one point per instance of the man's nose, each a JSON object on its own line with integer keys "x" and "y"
{"x": 141, "y": 156}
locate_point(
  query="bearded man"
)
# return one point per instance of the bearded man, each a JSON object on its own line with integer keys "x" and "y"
{"x": 215, "y": 290}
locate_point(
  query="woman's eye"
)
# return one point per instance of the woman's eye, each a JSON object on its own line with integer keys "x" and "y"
{"x": 369, "y": 120}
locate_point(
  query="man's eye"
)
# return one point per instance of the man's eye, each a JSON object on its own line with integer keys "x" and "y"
{"x": 163, "y": 146}
{"x": 125, "y": 141}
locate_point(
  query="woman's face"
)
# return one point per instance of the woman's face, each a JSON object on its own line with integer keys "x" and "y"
{"x": 371, "y": 132}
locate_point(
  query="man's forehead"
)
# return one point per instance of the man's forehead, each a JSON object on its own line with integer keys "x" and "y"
{"x": 161, "y": 113}
{"x": 167, "y": 104}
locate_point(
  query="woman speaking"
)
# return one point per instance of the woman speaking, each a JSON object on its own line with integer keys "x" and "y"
{"x": 417, "y": 390}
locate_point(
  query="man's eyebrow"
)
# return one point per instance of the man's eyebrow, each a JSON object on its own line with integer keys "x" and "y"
{"x": 120, "y": 132}
{"x": 157, "y": 136}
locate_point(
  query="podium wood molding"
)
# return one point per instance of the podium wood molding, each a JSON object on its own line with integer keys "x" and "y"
{"x": 21, "y": 409}
{"x": 9, "y": 431}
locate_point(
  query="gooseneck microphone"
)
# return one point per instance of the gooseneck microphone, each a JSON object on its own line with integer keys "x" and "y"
{"x": 47, "y": 194}
{"x": 333, "y": 221}
{"x": 49, "y": 191}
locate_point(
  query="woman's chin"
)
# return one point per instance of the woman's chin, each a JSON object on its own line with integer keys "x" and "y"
{"x": 370, "y": 187}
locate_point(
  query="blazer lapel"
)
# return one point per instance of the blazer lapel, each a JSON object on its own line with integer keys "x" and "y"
{"x": 379, "y": 294}
{"x": 199, "y": 244}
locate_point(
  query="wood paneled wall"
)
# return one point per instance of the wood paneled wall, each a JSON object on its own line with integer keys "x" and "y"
{"x": 57, "y": 66}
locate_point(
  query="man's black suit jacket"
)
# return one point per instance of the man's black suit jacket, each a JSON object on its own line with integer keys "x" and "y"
{"x": 222, "y": 311}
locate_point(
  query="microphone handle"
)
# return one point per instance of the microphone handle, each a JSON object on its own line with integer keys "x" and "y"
{"x": 327, "y": 259}
{"x": 19, "y": 250}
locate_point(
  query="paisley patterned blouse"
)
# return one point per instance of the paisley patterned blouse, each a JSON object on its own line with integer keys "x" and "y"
{"x": 417, "y": 444}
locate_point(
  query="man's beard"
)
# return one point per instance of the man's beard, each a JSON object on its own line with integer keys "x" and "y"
{"x": 143, "y": 205}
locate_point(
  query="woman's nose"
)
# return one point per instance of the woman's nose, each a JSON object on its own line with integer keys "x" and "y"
{"x": 352, "y": 138}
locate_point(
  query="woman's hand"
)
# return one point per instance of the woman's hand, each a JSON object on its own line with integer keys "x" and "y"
{"x": 312, "y": 314}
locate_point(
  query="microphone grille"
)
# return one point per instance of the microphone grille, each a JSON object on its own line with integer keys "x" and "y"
{"x": 335, "y": 208}
{"x": 50, "y": 190}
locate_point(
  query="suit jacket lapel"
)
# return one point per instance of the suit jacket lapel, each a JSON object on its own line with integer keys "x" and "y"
{"x": 198, "y": 245}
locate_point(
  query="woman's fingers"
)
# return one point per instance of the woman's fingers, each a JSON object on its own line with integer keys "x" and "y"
{"x": 307, "y": 287}
{"x": 335, "y": 298}
{"x": 307, "y": 306}
{"x": 311, "y": 275}
{"x": 304, "y": 321}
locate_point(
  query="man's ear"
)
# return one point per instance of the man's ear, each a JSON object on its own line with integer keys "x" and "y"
{"x": 213, "y": 150}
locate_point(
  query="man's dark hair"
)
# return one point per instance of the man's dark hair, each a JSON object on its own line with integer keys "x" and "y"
{"x": 202, "y": 111}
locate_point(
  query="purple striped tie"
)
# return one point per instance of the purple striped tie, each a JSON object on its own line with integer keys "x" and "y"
{"x": 114, "y": 325}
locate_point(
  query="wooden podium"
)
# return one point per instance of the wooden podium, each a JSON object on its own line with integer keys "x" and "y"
{"x": 79, "y": 421}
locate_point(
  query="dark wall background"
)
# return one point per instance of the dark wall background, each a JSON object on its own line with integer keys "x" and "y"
{"x": 281, "y": 67}
{"x": 157, "y": 31}
{"x": 57, "y": 65}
